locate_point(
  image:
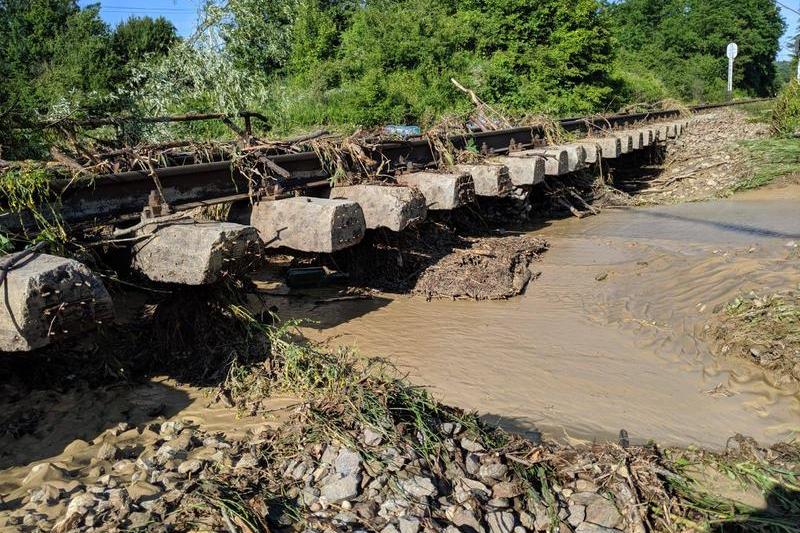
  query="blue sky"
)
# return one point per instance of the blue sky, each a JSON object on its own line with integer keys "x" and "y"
{"x": 792, "y": 21}
{"x": 183, "y": 14}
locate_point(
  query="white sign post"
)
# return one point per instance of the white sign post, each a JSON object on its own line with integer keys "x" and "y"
{"x": 732, "y": 52}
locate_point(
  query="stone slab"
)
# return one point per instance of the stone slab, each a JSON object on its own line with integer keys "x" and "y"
{"x": 490, "y": 179}
{"x": 647, "y": 136}
{"x": 591, "y": 152}
{"x": 321, "y": 225}
{"x": 442, "y": 191}
{"x": 193, "y": 253}
{"x": 576, "y": 154}
{"x": 637, "y": 140}
{"x": 386, "y": 206}
{"x": 49, "y": 298}
{"x": 556, "y": 159}
{"x": 523, "y": 171}
{"x": 626, "y": 141}
{"x": 610, "y": 147}
{"x": 672, "y": 130}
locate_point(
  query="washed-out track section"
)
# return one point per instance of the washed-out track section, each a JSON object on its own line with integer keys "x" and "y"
{"x": 50, "y": 298}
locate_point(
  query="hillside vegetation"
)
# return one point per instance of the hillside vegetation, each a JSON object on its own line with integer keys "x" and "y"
{"x": 347, "y": 63}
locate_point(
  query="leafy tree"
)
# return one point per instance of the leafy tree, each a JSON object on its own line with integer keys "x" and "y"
{"x": 57, "y": 59}
{"x": 138, "y": 38}
{"x": 683, "y": 42}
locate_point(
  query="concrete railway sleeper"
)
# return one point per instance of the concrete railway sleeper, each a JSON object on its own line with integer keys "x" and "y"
{"x": 49, "y": 298}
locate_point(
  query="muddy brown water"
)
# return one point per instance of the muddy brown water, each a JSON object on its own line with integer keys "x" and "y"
{"x": 573, "y": 358}
{"x": 610, "y": 336}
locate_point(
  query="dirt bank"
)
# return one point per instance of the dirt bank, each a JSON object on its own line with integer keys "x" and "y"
{"x": 453, "y": 257}
{"x": 368, "y": 451}
{"x": 707, "y": 161}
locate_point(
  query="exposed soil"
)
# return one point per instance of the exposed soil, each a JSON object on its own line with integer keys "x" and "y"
{"x": 764, "y": 329}
{"x": 437, "y": 261}
{"x": 366, "y": 451}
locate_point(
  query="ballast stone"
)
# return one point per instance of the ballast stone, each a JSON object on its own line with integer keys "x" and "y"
{"x": 193, "y": 253}
{"x": 49, "y": 298}
{"x": 523, "y": 171}
{"x": 442, "y": 192}
{"x": 489, "y": 179}
{"x": 321, "y": 225}
{"x": 394, "y": 208}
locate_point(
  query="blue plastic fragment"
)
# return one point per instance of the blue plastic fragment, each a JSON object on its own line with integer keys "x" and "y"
{"x": 401, "y": 130}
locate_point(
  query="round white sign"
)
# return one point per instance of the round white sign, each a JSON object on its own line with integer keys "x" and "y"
{"x": 733, "y": 51}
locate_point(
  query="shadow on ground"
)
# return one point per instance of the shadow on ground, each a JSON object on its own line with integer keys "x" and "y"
{"x": 782, "y": 514}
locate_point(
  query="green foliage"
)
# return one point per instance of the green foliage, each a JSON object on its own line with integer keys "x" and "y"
{"x": 348, "y": 63}
{"x": 26, "y": 190}
{"x": 683, "y": 43}
{"x": 770, "y": 159}
{"x": 786, "y": 111}
{"x": 58, "y": 60}
{"x": 309, "y": 62}
{"x": 137, "y": 39}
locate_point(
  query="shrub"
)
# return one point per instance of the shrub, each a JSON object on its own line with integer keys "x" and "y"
{"x": 786, "y": 112}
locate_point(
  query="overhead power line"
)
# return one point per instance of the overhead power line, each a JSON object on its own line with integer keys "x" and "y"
{"x": 147, "y": 10}
{"x": 787, "y": 7}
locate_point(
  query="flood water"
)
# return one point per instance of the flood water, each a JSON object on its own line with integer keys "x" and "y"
{"x": 610, "y": 336}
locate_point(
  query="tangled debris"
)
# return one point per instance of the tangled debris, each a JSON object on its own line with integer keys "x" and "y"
{"x": 764, "y": 329}
{"x": 490, "y": 269}
{"x": 435, "y": 261}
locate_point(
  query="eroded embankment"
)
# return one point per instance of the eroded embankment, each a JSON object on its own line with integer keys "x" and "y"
{"x": 366, "y": 450}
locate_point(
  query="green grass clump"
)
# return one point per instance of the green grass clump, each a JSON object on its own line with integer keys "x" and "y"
{"x": 759, "y": 112}
{"x": 25, "y": 191}
{"x": 770, "y": 159}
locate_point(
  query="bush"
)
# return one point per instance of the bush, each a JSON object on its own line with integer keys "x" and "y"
{"x": 786, "y": 112}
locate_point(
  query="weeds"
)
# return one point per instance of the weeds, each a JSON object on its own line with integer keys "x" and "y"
{"x": 25, "y": 191}
{"x": 770, "y": 159}
{"x": 786, "y": 111}
{"x": 764, "y": 329}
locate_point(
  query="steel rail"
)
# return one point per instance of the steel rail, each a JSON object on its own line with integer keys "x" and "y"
{"x": 111, "y": 197}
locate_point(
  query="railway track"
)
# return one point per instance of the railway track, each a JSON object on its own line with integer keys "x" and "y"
{"x": 114, "y": 198}
{"x": 49, "y": 298}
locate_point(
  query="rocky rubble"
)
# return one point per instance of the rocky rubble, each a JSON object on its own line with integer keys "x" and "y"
{"x": 705, "y": 162}
{"x": 124, "y": 485}
{"x": 381, "y": 485}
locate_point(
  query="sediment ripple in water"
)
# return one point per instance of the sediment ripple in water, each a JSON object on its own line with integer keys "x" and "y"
{"x": 584, "y": 358}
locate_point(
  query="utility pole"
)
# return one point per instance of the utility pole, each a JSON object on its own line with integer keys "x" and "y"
{"x": 731, "y": 52}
